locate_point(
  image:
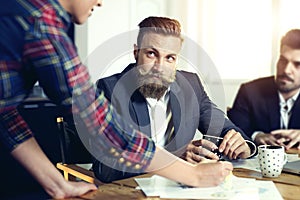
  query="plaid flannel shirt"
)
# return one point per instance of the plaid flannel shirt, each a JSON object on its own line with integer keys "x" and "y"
{"x": 34, "y": 46}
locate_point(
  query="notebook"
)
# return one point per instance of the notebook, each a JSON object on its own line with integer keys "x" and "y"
{"x": 292, "y": 167}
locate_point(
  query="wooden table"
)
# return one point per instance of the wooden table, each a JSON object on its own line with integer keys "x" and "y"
{"x": 293, "y": 151}
{"x": 287, "y": 184}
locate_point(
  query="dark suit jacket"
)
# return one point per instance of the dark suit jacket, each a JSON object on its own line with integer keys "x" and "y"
{"x": 256, "y": 107}
{"x": 191, "y": 109}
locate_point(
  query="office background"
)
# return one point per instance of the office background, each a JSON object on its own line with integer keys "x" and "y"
{"x": 241, "y": 37}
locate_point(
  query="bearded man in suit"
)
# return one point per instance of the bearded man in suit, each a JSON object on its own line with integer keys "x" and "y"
{"x": 168, "y": 104}
{"x": 268, "y": 109}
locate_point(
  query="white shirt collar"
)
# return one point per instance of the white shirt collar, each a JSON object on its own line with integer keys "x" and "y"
{"x": 293, "y": 98}
{"x": 289, "y": 103}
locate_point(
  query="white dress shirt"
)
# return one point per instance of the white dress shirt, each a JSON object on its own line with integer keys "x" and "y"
{"x": 158, "y": 118}
{"x": 285, "y": 109}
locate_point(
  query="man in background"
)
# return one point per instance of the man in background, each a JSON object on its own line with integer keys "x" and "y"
{"x": 268, "y": 109}
{"x": 167, "y": 104}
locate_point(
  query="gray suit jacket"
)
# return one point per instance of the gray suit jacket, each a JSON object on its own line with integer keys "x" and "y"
{"x": 191, "y": 109}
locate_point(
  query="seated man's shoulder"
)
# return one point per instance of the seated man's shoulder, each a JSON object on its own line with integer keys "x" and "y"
{"x": 187, "y": 74}
{"x": 260, "y": 83}
{"x": 109, "y": 80}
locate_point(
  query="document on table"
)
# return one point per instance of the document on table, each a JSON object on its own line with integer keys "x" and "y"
{"x": 246, "y": 188}
{"x": 252, "y": 164}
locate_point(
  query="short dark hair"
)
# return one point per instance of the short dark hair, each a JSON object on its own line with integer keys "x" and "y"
{"x": 160, "y": 25}
{"x": 291, "y": 39}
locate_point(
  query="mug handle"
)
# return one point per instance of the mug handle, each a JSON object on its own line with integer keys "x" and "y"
{"x": 285, "y": 159}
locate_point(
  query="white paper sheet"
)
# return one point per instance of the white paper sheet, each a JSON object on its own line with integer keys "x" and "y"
{"x": 251, "y": 164}
{"x": 242, "y": 188}
{"x": 268, "y": 190}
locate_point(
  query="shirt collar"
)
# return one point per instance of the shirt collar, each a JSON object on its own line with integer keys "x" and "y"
{"x": 290, "y": 101}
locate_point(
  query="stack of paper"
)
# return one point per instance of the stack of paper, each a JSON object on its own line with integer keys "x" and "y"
{"x": 240, "y": 188}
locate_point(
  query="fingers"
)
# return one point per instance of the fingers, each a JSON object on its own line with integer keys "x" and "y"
{"x": 205, "y": 143}
{"x": 79, "y": 188}
{"x": 283, "y": 141}
{"x": 290, "y": 144}
{"x": 265, "y": 138}
{"x": 234, "y": 146}
{"x": 225, "y": 167}
{"x": 270, "y": 140}
{"x": 213, "y": 173}
{"x": 230, "y": 143}
{"x": 203, "y": 148}
{"x": 196, "y": 154}
{"x": 209, "y": 154}
{"x": 226, "y": 139}
{"x": 193, "y": 158}
{"x": 280, "y": 132}
{"x": 287, "y": 137}
{"x": 293, "y": 138}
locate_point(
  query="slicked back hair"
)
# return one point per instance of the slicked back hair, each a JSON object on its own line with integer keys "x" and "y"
{"x": 159, "y": 25}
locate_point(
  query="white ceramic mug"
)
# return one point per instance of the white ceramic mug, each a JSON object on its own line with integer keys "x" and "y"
{"x": 271, "y": 160}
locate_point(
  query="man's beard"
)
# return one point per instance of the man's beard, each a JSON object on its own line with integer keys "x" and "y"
{"x": 285, "y": 88}
{"x": 151, "y": 89}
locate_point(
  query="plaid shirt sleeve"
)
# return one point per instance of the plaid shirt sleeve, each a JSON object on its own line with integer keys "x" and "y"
{"x": 52, "y": 56}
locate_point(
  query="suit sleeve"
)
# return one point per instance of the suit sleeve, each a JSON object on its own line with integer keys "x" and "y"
{"x": 240, "y": 111}
{"x": 213, "y": 121}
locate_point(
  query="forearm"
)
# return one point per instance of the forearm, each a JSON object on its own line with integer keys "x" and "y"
{"x": 167, "y": 165}
{"x": 34, "y": 160}
{"x": 206, "y": 174}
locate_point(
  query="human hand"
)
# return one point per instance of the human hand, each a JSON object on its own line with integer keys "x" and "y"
{"x": 212, "y": 173}
{"x": 234, "y": 146}
{"x": 31, "y": 156}
{"x": 287, "y": 137}
{"x": 199, "y": 150}
{"x": 266, "y": 138}
{"x": 204, "y": 174}
{"x": 72, "y": 189}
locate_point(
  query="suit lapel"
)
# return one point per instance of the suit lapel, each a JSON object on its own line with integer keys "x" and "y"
{"x": 272, "y": 104}
{"x": 294, "y": 120}
{"x": 140, "y": 110}
{"x": 175, "y": 97}
{"x": 175, "y": 108}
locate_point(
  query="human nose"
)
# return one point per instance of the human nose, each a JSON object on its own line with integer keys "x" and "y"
{"x": 288, "y": 68}
{"x": 158, "y": 64}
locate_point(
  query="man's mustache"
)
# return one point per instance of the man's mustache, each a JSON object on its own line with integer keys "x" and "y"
{"x": 150, "y": 74}
{"x": 286, "y": 77}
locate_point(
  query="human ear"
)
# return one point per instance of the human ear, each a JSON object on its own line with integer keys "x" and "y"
{"x": 135, "y": 52}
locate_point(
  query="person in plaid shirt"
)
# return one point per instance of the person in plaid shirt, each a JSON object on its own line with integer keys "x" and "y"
{"x": 34, "y": 46}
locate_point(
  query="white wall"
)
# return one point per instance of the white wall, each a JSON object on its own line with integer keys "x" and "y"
{"x": 240, "y": 37}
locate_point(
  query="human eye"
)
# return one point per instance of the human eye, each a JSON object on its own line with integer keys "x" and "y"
{"x": 150, "y": 54}
{"x": 171, "y": 58}
{"x": 282, "y": 60}
{"x": 297, "y": 64}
